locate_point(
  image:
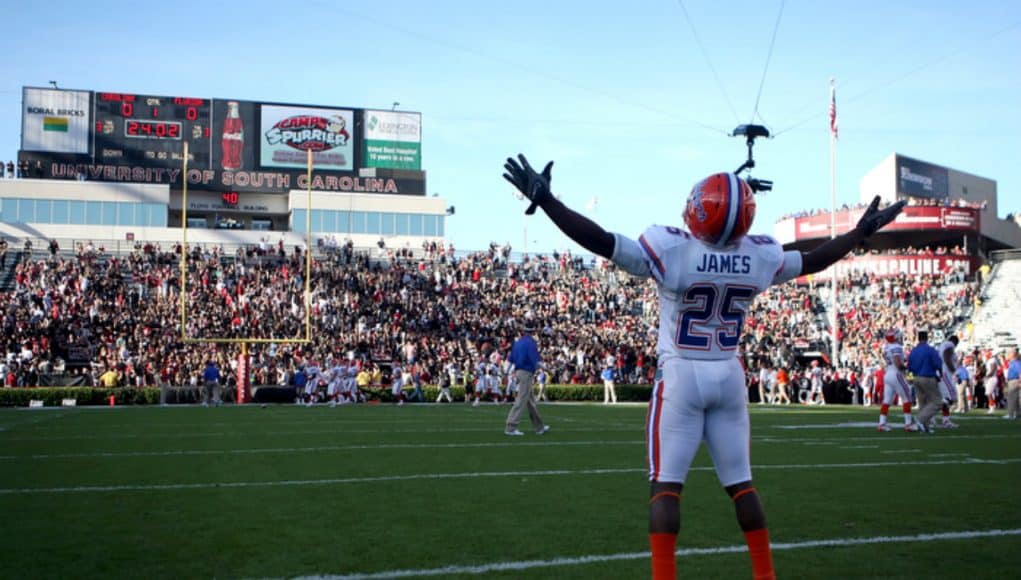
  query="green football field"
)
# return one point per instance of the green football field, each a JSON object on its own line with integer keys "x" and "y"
{"x": 379, "y": 491}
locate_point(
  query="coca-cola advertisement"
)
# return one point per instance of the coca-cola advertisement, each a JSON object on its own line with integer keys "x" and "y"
{"x": 232, "y": 140}
{"x": 289, "y": 133}
{"x": 234, "y": 126}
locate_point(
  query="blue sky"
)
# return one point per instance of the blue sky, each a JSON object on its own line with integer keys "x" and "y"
{"x": 633, "y": 101}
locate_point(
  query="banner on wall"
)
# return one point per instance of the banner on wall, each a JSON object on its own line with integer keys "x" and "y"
{"x": 392, "y": 139}
{"x": 55, "y": 120}
{"x": 912, "y": 218}
{"x": 288, "y": 133}
{"x": 921, "y": 264}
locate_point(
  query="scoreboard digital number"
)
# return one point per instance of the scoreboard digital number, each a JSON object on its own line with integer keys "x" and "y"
{"x": 151, "y": 130}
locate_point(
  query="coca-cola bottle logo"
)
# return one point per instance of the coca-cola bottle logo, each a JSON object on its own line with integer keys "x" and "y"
{"x": 232, "y": 142}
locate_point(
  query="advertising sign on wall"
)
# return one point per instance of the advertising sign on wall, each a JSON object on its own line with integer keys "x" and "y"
{"x": 912, "y": 218}
{"x": 921, "y": 264}
{"x": 288, "y": 133}
{"x": 392, "y": 139}
{"x": 55, "y": 120}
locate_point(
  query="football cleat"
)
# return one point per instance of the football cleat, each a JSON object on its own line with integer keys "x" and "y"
{"x": 720, "y": 209}
{"x": 883, "y": 427}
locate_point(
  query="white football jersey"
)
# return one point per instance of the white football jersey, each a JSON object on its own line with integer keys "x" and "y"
{"x": 943, "y": 348}
{"x": 704, "y": 292}
{"x": 891, "y": 350}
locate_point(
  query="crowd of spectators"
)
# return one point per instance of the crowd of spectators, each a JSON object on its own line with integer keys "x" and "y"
{"x": 911, "y": 250}
{"x": 788, "y": 327}
{"x": 105, "y": 319}
{"x": 21, "y": 170}
{"x": 89, "y": 312}
{"x": 912, "y": 201}
{"x": 868, "y": 306}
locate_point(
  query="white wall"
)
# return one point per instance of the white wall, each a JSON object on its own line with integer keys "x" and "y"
{"x": 84, "y": 190}
{"x": 881, "y": 181}
{"x": 368, "y": 202}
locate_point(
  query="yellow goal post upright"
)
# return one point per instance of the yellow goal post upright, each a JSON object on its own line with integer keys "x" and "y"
{"x": 243, "y": 380}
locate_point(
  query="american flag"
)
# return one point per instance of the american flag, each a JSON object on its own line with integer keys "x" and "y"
{"x": 833, "y": 110}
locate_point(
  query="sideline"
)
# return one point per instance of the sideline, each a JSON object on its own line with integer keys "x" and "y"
{"x": 687, "y": 552}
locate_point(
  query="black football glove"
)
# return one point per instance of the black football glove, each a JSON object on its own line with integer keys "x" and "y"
{"x": 534, "y": 186}
{"x": 874, "y": 218}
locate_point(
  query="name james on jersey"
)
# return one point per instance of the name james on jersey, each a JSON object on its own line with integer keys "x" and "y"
{"x": 725, "y": 264}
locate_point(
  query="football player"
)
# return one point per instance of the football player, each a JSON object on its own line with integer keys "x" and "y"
{"x": 992, "y": 380}
{"x": 493, "y": 380}
{"x": 707, "y": 277}
{"x": 353, "y": 392}
{"x": 314, "y": 373}
{"x": 894, "y": 383}
{"x": 445, "y": 380}
{"x": 948, "y": 379}
{"x": 815, "y": 396}
{"x": 540, "y": 381}
{"x": 335, "y": 391}
{"x": 481, "y": 380}
{"x": 397, "y": 383}
{"x": 609, "y": 386}
{"x": 965, "y": 391}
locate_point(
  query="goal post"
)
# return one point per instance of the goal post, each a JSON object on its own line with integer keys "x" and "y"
{"x": 243, "y": 390}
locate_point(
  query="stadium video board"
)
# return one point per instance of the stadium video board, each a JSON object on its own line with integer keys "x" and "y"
{"x": 921, "y": 179}
{"x": 233, "y": 144}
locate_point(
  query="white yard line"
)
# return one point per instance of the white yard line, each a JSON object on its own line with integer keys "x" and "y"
{"x": 687, "y": 552}
{"x": 467, "y": 475}
{"x": 316, "y": 449}
{"x": 492, "y": 428}
{"x": 384, "y": 446}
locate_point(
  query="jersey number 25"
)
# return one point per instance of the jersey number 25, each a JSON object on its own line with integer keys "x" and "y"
{"x": 706, "y": 302}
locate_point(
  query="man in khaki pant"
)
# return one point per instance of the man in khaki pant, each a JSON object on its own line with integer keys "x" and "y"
{"x": 1013, "y": 385}
{"x": 524, "y": 356}
{"x": 925, "y": 364}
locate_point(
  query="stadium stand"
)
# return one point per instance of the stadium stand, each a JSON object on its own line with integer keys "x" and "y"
{"x": 995, "y": 321}
{"x": 72, "y": 314}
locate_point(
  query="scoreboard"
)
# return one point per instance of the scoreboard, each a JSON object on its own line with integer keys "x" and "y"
{"x": 234, "y": 146}
{"x": 151, "y": 130}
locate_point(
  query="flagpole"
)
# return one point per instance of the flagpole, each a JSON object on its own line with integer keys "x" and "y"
{"x": 834, "y": 346}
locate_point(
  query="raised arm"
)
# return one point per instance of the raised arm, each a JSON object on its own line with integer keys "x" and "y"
{"x": 536, "y": 187}
{"x": 871, "y": 221}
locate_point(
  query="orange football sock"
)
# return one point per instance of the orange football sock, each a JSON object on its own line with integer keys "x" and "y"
{"x": 664, "y": 562}
{"x": 762, "y": 559}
